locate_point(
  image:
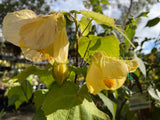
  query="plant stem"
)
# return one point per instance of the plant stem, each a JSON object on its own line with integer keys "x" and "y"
{"x": 129, "y": 12}
{"x": 82, "y": 60}
{"x": 118, "y": 114}
{"x": 86, "y": 27}
{"x": 77, "y": 43}
{"x": 76, "y": 59}
{"x": 85, "y": 53}
{"x": 77, "y": 37}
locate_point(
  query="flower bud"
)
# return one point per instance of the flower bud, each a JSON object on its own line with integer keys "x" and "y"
{"x": 60, "y": 72}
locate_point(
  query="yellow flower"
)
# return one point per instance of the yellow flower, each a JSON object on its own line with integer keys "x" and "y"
{"x": 39, "y": 36}
{"x": 107, "y": 72}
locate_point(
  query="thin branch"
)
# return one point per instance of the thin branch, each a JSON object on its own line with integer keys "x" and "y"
{"x": 77, "y": 37}
{"x": 86, "y": 28}
{"x": 130, "y": 7}
{"x": 85, "y": 53}
{"x": 73, "y": 18}
{"x": 129, "y": 11}
{"x": 77, "y": 42}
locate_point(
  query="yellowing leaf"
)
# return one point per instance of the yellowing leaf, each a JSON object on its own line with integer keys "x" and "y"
{"x": 102, "y": 19}
{"x": 99, "y": 18}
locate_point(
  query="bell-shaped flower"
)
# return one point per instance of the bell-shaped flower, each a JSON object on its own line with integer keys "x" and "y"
{"x": 108, "y": 73}
{"x": 39, "y": 36}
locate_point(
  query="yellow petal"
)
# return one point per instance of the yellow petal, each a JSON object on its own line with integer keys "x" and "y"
{"x": 13, "y": 22}
{"x": 96, "y": 82}
{"x": 36, "y": 56}
{"x": 41, "y": 37}
{"x": 94, "y": 79}
{"x": 107, "y": 72}
{"x": 59, "y": 49}
{"x": 111, "y": 67}
{"x": 132, "y": 64}
{"x": 39, "y": 33}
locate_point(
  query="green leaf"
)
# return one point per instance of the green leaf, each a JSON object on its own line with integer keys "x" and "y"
{"x": 84, "y": 43}
{"x": 18, "y": 92}
{"x": 121, "y": 31}
{"x": 97, "y": 8}
{"x": 69, "y": 102}
{"x": 45, "y": 75}
{"x": 154, "y": 93}
{"x": 2, "y": 113}
{"x": 39, "y": 97}
{"x": 85, "y": 25}
{"x": 99, "y": 18}
{"x": 105, "y": 2}
{"x": 96, "y": 45}
{"x": 71, "y": 76}
{"x": 25, "y": 73}
{"x": 23, "y": 93}
{"x": 27, "y": 89}
{"x": 12, "y": 100}
{"x": 143, "y": 14}
{"x": 109, "y": 44}
{"x": 110, "y": 105}
{"x": 141, "y": 65}
{"x": 61, "y": 97}
{"x": 84, "y": 92}
{"x": 130, "y": 31}
{"x": 39, "y": 116}
{"x": 85, "y": 111}
{"x": 153, "y": 22}
{"x": 78, "y": 70}
{"x": 94, "y": 1}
